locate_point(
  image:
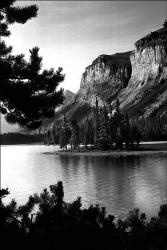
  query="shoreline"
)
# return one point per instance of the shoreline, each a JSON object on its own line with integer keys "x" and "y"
{"x": 110, "y": 153}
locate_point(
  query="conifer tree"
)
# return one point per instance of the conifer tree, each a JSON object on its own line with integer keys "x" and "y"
{"x": 90, "y": 132}
{"x": 111, "y": 130}
{"x": 103, "y": 139}
{"x": 74, "y": 134}
{"x": 27, "y": 95}
{"x": 64, "y": 134}
{"x": 97, "y": 122}
{"x": 86, "y": 132}
{"x": 165, "y": 24}
{"x": 118, "y": 117}
{"x": 118, "y": 138}
{"x": 118, "y": 110}
{"x": 125, "y": 130}
{"x": 134, "y": 136}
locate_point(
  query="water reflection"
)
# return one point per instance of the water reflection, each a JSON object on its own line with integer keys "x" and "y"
{"x": 119, "y": 183}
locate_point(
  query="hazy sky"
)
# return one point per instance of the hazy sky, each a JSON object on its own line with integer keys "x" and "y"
{"x": 71, "y": 34}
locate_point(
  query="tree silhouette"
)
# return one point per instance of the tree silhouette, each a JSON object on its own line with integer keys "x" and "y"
{"x": 165, "y": 24}
{"x": 64, "y": 134}
{"x": 60, "y": 225}
{"x": 74, "y": 134}
{"x": 27, "y": 95}
{"x": 125, "y": 130}
{"x": 103, "y": 138}
{"x": 97, "y": 122}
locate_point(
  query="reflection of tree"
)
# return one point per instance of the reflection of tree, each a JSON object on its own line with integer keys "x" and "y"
{"x": 70, "y": 164}
{"x": 112, "y": 184}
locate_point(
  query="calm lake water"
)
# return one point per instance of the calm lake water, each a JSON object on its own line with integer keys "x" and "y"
{"x": 119, "y": 183}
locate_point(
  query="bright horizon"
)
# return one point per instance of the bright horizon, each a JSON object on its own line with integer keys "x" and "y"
{"x": 71, "y": 34}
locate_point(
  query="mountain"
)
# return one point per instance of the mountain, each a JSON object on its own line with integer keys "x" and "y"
{"x": 69, "y": 98}
{"x": 138, "y": 78}
{"x": 105, "y": 78}
{"x": 146, "y": 92}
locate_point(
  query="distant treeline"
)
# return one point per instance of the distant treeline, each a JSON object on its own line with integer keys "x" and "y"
{"x": 17, "y": 138}
{"x": 107, "y": 130}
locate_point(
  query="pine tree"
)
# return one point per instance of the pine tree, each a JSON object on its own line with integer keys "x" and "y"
{"x": 64, "y": 134}
{"x": 97, "y": 123}
{"x": 86, "y": 133}
{"x": 27, "y": 95}
{"x": 103, "y": 139}
{"x": 118, "y": 138}
{"x": 74, "y": 134}
{"x": 165, "y": 24}
{"x": 90, "y": 132}
{"x": 134, "y": 136}
{"x": 125, "y": 130}
{"x": 117, "y": 109}
{"x": 118, "y": 117}
{"x": 111, "y": 130}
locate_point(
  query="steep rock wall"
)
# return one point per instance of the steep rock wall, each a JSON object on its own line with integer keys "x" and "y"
{"x": 104, "y": 78}
{"x": 147, "y": 89}
{"x": 137, "y": 78}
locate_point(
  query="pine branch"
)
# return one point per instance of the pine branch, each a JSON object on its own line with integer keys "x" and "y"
{"x": 4, "y": 50}
{"x": 21, "y": 14}
{"x": 6, "y": 4}
{"x": 4, "y": 30}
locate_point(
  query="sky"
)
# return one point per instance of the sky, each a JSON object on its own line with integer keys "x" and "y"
{"x": 71, "y": 34}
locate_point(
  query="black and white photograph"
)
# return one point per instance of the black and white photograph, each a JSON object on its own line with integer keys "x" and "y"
{"x": 83, "y": 131}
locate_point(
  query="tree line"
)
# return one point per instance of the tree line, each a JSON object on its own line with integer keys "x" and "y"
{"x": 107, "y": 129}
{"x": 17, "y": 138}
{"x": 104, "y": 130}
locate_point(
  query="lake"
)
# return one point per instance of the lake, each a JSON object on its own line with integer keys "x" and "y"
{"x": 118, "y": 183}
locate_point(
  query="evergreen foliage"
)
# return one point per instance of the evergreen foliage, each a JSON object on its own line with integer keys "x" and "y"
{"x": 104, "y": 130}
{"x": 165, "y": 24}
{"x": 74, "y": 135}
{"x": 17, "y": 138}
{"x": 151, "y": 128}
{"x": 103, "y": 138}
{"x": 97, "y": 122}
{"x": 64, "y": 134}
{"x": 27, "y": 94}
{"x": 112, "y": 129}
{"x": 60, "y": 225}
{"x": 125, "y": 130}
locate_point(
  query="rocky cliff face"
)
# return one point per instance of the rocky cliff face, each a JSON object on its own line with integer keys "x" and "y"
{"x": 104, "y": 78}
{"x": 146, "y": 92}
{"x": 137, "y": 78}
